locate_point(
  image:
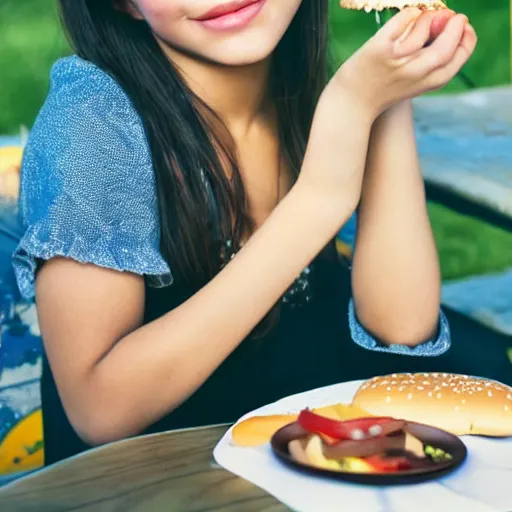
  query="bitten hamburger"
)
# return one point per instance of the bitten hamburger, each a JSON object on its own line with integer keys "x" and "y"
{"x": 380, "y": 5}
{"x": 459, "y": 404}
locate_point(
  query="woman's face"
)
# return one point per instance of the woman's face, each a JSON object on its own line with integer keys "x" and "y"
{"x": 227, "y": 32}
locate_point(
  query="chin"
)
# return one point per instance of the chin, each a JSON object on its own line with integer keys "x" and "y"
{"x": 240, "y": 54}
{"x": 241, "y": 49}
{"x": 182, "y": 29}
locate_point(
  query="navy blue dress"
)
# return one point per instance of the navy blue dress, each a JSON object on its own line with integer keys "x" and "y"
{"x": 88, "y": 194}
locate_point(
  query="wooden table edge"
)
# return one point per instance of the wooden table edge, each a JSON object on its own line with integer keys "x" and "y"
{"x": 45, "y": 469}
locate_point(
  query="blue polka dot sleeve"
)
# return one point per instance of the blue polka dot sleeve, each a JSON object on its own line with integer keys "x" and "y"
{"x": 88, "y": 191}
{"x": 430, "y": 348}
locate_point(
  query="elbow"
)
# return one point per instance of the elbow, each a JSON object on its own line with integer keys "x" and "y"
{"x": 97, "y": 422}
{"x": 97, "y": 428}
{"x": 409, "y": 335}
{"x": 420, "y": 328}
{"x": 407, "y": 330}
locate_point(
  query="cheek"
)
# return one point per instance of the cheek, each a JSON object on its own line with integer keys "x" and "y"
{"x": 163, "y": 16}
{"x": 161, "y": 11}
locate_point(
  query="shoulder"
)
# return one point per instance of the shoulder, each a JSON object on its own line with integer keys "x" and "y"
{"x": 87, "y": 134}
{"x": 88, "y": 189}
{"x": 86, "y": 107}
{"x": 75, "y": 82}
{"x": 87, "y": 144}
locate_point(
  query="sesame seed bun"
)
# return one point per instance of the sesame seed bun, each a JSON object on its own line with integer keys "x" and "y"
{"x": 379, "y": 5}
{"x": 458, "y": 404}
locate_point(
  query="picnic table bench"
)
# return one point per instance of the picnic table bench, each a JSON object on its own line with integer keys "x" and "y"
{"x": 465, "y": 145}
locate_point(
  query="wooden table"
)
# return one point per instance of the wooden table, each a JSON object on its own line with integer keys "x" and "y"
{"x": 172, "y": 471}
{"x": 465, "y": 146}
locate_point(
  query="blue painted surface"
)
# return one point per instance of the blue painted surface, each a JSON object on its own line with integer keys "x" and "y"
{"x": 20, "y": 353}
{"x": 11, "y": 230}
{"x": 20, "y": 370}
{"x": 465, "y": 144}
{"x": 348, "y": 232}
{"x": 488, "y": 299}
{"x": 19, "y": 346}
{"x": 10, "y": 141}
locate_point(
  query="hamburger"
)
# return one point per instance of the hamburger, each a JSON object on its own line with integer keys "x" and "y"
{"x": 380, "y": 5}
{"x": 345, "y": 438}
{"x": 458, "y": 404}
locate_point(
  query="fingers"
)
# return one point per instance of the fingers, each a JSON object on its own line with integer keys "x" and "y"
{"x": 439, "y": 22}
{"x": 400, "y": 23}
{"x": 469, "y": 40}
{"x": 423, "y": 29}
{"x": 443, "y": 49}
{"x": 462, "y": 54}
{"x": 426, "y": 29}
{"x": 416, "y": 38}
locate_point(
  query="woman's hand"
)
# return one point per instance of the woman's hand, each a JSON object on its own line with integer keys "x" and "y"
{"x": 415, "y": 52}
{"x": 397, "y": 63}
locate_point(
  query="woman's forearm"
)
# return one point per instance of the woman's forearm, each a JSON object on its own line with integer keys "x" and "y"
{"x": 153, "y": 369}
{"x": 396, "y": 276}
{"x": 164, "y": 362}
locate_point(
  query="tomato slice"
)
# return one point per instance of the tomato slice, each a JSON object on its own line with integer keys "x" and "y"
{"x": 339, "y": 430}
{"x": 388, "y": 464}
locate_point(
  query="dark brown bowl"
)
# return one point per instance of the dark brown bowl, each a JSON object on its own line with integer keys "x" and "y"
{"x": 429, "y": 435}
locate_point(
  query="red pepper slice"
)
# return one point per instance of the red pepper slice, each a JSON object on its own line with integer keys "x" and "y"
{"x": 340, "y": 430}
{"x": 388, "y": 464}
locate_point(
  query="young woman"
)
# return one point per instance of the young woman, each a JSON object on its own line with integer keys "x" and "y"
{"x": 182, "y": 188}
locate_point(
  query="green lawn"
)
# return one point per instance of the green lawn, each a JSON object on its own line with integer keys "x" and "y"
{"x": 30, "y": 40}
{"x": 490, "y": 64}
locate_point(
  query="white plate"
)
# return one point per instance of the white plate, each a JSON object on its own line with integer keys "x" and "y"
{"x": 482, "y": 484}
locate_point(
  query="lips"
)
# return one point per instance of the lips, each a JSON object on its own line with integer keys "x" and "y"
{"x": 226, "y": 9}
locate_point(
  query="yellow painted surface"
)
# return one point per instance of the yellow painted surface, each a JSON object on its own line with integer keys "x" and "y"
{"x": 10, "y": 163}
{"x": 22, "y": 447}
{"x": 10, "y": 158}
{"x": 343, "y": 249}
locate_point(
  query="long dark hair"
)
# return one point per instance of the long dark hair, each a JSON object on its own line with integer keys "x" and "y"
{"x": 189, "y": 145}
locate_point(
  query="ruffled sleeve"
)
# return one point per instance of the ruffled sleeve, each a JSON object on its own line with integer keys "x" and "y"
{"x": 88, "y": 189}
{"x": 430, "y": 348}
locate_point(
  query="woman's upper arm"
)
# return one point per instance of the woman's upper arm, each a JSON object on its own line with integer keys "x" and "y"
{"x": 90, "y": 213}
{"x": 88, "y": 189}
{"x": 84, "y": 310}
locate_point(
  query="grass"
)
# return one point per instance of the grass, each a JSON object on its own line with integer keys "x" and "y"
{"x": 490, "y": 65}
{"x": 31, "y": 41}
